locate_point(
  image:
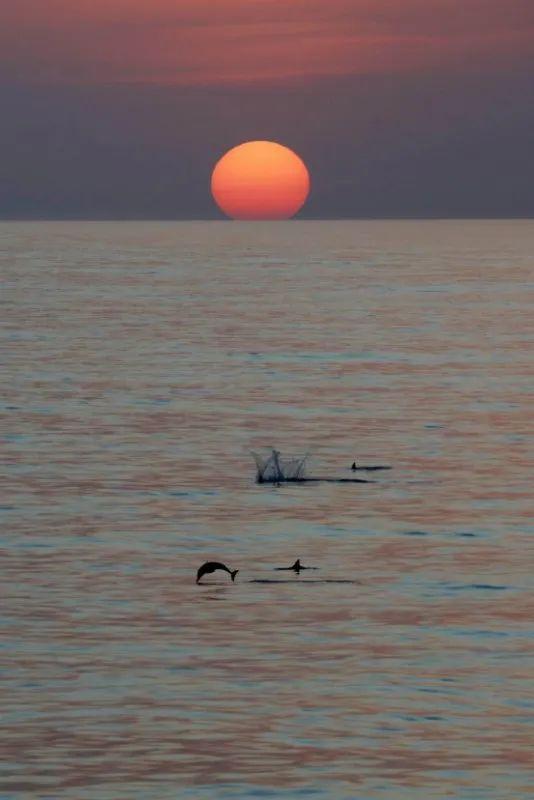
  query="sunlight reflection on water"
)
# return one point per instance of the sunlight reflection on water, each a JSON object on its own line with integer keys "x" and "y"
{"x": 145, "y": 362}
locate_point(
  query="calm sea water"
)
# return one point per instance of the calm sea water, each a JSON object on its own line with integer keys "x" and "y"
{"x": 142, "y": 364}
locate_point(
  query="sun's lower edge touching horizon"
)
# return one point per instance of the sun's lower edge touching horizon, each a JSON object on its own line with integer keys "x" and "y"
{"x": 260, "y": 180}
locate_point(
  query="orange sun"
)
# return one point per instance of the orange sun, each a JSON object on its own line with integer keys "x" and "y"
{"x": 260, "y": 180}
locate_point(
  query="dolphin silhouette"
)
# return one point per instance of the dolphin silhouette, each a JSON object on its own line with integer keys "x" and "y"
{"x": 296, "y": 567}
{"x": 211, "y": 566}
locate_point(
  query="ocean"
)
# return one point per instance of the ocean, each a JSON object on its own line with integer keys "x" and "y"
{"x": 143, "y": 364}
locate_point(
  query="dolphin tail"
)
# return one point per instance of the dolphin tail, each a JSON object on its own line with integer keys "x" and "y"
{"x": 234, "y": 573}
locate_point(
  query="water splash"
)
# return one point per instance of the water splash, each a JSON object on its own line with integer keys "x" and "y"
{"x": 275, "y": 469}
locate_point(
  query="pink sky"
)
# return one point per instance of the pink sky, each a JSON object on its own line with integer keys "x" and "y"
{"x": 191, "y": 42}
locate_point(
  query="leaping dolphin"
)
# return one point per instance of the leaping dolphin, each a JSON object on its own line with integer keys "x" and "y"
{"x": 211, "y": 566}
{"x": 296, "y": 567}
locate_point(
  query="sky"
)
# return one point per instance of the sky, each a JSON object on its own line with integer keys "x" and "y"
{"x": 400, "y": 108}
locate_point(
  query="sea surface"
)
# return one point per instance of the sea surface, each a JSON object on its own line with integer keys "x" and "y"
{"x": 142, "y": 363}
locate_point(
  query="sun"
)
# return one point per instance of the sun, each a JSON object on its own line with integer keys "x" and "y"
{"x": 260, "y": 180}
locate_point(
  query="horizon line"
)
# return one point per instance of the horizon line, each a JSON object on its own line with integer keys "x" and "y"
{"x": 385, "y": 218}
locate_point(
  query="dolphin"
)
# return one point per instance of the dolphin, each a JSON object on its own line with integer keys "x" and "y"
{"x": 296, "y": 567}
{"x": 211, "y": 566}
{"x": 368, "y": 468}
